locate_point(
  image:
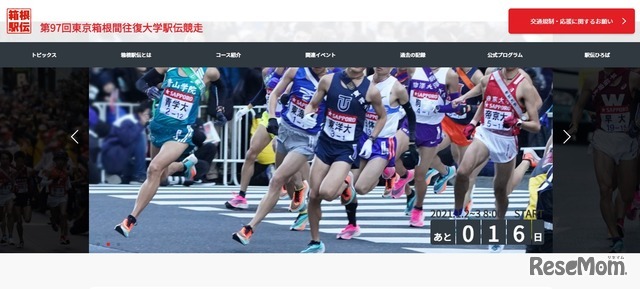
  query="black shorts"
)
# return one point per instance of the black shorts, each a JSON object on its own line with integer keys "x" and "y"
{"x": 22, "y": 200}
{"x": 330, "y": 152}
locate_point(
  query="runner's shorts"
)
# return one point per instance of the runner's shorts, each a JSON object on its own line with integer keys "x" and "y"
{"x": 160, "y": 134}
{"x": 330, "y": 152}
{"x": 404, "y": 125}
{"x": 455, "y": 131}
{"x": 22, "y": 200}
{"x": 384, "y": 148}
{"x": 290, "y": 139}
{"x": 502, "y": 148}
{"x": 428, "y": 135}
{"x": 618, "y": 146}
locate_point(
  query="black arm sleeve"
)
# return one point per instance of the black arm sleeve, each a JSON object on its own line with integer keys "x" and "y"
{"x": 214, "y": 100}
{"x": 151, "y": 78}
{"x": 260, "y": 98}
{"x": 411, "y": 117}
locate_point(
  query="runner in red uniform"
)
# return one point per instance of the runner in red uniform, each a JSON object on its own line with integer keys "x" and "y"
{"x": 614, "y": 144}
{"x": 506, "y": 97}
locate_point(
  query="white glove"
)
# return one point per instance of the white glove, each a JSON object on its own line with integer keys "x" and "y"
{"x": 428, "y": 108}
{"x": 241, "y": 113}
{"x": 309, "y": 121}
{"x": 366, "y": 150}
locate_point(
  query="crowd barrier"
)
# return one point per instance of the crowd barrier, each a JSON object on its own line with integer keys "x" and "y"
{"x": 234, "y": 141}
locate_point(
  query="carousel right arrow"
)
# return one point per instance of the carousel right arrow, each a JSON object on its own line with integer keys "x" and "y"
{"x": 568, "y": 137}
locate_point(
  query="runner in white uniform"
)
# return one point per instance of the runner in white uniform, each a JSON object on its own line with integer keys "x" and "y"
{"x": 428, "y": 90}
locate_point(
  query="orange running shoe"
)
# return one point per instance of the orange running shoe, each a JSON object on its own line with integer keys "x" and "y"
{"x": 243, "y": 235}
{"x": 349, "y": 193}
{"x": 299, "y": 200}
{"x": 388, "y": 186}
{"x": 531, "y": 156}
{"x": 126, "y": 226}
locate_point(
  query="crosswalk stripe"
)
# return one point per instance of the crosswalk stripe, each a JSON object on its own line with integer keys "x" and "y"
{"x": 419, "y": 231}
{"x": 396, "y": 240}
{"x": 202, "y": 209}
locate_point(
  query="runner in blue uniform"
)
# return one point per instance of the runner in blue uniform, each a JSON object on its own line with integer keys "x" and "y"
{"x": 295, "y": 145}
{"x": 176, "y": 105}
{"x": 346, "y": 97}
{"x": 381, "y": 160}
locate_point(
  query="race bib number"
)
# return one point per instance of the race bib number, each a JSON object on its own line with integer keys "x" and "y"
{"x": 176, "y": 104}
{"x": 370, "y": 122}
{"x": 295, "y": 114}
{"x": 615, "y": 122}
{"x": 341, "y": 127}
{"x": 424, "y": 101}
{"x": 494, "y": 119}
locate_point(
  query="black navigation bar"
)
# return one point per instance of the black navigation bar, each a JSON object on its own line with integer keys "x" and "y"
{"x": 319, "y": 54}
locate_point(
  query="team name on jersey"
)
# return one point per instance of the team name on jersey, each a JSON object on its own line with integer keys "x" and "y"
{"x": 191, "y": 89}
{"x": 613, "y": 99}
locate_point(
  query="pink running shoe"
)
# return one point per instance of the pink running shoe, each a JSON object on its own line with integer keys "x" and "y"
{"x": 237, "y": 203}
{"x": 398, "y": 187}
{"x": 349, "y": 232}
{"x": 417, "y": 219}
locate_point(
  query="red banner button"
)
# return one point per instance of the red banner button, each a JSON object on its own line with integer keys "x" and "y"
{"x": 571, "y": 21}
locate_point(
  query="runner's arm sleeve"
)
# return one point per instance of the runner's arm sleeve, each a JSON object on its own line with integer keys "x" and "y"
{"x": 411, "y": 117}
{"x": 216, "y": 104}
{"x": 149, "y": 79}
{"x": 259, "y": 98}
